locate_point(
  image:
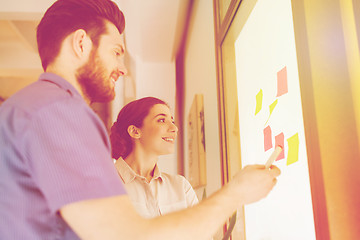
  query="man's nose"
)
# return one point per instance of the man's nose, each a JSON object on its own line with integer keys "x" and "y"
{"x": 122, "y": 68}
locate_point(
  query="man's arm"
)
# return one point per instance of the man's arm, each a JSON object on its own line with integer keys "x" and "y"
{"x": 115, "y": 217}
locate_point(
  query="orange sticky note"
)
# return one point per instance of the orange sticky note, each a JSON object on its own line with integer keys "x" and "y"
{"x": 279, "y": 141}
{"x": 282, "y": 85}
{"x": 293, "y": 155}
{"x": 267, "y": 138}
{"x": 259, "y": 98}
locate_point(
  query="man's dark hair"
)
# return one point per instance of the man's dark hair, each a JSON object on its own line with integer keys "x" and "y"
{"x": 66, "y": 16}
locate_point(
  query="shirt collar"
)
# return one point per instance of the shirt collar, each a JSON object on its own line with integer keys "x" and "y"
{"x": 127, "y": 174}
{"x": 59, "y": 81}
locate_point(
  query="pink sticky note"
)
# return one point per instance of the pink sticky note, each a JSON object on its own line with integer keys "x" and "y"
{"x": 267, "y": 138}
{"x": 282, "y": 85}
{"x": 279, "y": 141}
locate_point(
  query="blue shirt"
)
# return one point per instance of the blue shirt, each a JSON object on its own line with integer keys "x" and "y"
{"x": 54, "y": 150}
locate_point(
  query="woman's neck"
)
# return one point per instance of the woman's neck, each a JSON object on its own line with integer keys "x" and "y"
{"x": 142, "y": 164}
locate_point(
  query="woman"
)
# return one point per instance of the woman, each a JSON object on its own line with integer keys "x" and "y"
{"x": 143, "y": 131}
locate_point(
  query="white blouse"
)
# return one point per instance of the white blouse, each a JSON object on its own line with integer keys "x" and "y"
{"x": 165, "y": 193}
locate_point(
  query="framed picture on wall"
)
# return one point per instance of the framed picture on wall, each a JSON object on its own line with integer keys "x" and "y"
{"x": 196, "y": 135}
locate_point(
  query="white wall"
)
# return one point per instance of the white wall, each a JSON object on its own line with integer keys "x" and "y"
{"x": 200, "y": 78}
{"x": 157, "y": 79}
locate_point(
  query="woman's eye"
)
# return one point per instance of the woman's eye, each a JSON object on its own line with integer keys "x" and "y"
{"x": 161, "y": 120}
{"x": 117, "y": 53}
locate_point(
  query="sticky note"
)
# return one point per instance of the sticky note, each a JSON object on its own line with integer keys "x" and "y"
{"x": 293, "y": 155}
{"x": 267, "y": 138}
{"x": 271, "y": 108}
{"x": 259, "y": 98}
{"x": 282, "y": 84}
{"x": 279, "y": 141}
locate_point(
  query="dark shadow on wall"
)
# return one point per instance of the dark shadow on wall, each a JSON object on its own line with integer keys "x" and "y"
{"x": 180, "y": 90}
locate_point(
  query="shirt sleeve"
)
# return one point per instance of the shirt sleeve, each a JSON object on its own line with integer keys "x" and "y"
{"x": 68, "y": 153}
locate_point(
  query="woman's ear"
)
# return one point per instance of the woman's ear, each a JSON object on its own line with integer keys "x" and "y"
{"x": 133, "y": 131}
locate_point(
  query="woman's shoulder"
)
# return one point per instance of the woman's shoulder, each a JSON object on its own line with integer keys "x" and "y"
{"x": 174, "y": 179}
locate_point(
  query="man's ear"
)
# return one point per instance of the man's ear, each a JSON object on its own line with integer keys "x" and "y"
{"x": 133, "y": 131}
{"x": 80, "y": 43}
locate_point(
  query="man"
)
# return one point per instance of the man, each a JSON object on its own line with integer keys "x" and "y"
{"x": 57, "y": 177}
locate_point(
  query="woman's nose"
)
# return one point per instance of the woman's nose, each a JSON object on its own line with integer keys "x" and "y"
{"x": 173, "y": 127}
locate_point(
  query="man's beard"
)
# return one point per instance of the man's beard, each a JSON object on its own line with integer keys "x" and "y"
{"x": 95, "y": 83}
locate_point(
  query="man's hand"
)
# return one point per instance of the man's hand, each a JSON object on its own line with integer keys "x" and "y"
{"x": 253, "y": 183}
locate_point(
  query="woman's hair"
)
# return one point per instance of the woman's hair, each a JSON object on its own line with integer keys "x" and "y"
{"x": 132, "y": 113}
{"x": 66, "y": 16}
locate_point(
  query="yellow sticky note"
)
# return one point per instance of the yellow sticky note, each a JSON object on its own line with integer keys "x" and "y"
{"x": 293, "y": 154}
{"x": 271, "y": 108}
{"x": 259, "y": 98}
